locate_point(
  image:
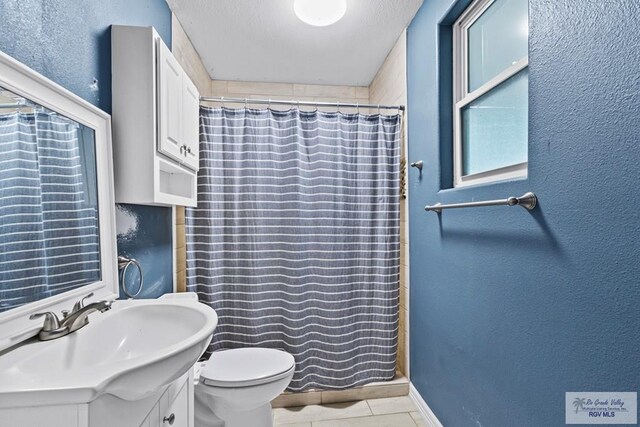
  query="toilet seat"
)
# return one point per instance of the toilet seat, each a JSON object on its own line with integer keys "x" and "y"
{"x": 245, "y": 367}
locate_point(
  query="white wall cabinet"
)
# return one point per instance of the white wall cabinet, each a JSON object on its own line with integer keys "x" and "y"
{"x": 155, "y": 121}
{"x": 191, "y": 121}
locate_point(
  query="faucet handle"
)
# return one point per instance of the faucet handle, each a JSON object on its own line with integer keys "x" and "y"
{"x": 80, "y": 304}
{"x": 108, "y": 304}
{"x": 51, "y": 321}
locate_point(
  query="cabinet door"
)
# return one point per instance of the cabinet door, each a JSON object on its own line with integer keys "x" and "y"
{"x": 153, "y": 419}
{"x": 176, "y": 413}
{"x": 169, "y": 104}
{"x": 190, "y": 122}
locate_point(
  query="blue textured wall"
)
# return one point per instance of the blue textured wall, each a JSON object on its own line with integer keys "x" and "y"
{"x": 142, "y": 234}
{"x": 69, "y": 41}
{"x": 510, "y": 309}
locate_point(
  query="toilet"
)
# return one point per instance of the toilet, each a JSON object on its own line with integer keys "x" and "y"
{"x": 234, "y": 388}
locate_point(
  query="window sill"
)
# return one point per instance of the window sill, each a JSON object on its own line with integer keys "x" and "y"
{"x": 482, "y": 185}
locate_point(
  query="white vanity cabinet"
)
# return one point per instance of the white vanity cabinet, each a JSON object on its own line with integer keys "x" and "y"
{"x": 175, "y": 407}
{"x": 172, "y": 406}
{"x": 155, "y": 121}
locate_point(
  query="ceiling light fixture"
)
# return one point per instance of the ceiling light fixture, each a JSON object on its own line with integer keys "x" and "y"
{"x": 320, "y": 13}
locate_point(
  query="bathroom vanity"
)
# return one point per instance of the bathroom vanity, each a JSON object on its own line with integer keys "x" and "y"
{"x": 171, "y": 405}
{"x": 131, "y": 363}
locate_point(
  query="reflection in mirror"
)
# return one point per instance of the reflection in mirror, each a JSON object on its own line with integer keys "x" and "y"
{"x": 49, "y": 239}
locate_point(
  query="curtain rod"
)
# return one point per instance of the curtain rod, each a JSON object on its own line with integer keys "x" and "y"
{"x": 222, "y": 99}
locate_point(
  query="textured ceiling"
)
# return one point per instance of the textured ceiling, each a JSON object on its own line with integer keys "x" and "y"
{"x": 263, "y": 40}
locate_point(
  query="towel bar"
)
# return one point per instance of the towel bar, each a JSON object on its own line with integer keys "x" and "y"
{"x": 527, "y": 201}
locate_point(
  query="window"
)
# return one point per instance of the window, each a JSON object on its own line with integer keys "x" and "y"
{"x": 490, "y": 91}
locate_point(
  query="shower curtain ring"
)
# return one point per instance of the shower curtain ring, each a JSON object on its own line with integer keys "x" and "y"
{"x": 269, "y": 106}
{"x": 378, "y": 109}
{"x": 316, "y": 107}
{"x": 358, "y": 107}
{"x": 222, "y": 101}
{"x": 338, "y": 106}
{"x": 245, "y": 103}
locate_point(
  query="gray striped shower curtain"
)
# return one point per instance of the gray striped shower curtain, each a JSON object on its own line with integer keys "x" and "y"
{"x": 49, "y": 240}
{"x": 295, "y": 239}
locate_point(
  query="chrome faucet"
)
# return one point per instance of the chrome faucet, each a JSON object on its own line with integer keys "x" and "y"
{"x": 71, "y": 321}
{"x": 79, "y": 316}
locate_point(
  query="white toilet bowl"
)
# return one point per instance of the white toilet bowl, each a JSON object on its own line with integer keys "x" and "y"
{"x": 234, "y": 388}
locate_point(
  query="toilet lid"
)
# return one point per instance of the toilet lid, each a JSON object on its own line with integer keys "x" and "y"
{"x": 243, "y": 367}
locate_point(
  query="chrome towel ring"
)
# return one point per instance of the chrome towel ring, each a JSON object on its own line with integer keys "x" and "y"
{"x": 123, "y": 264}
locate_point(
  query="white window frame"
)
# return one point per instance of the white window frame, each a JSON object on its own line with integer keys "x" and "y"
{"x": 462, "y": 97}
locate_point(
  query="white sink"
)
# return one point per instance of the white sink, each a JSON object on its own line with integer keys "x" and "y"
{"x": 130, "y": 351}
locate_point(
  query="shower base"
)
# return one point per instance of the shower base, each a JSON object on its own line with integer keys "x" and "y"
{"x": 399, "y": 386}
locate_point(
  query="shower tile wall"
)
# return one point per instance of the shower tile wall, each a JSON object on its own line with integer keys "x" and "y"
{"x": 289, "y": 91}
{"x": 188, "y": 58}
{"x": 388, "y": 87}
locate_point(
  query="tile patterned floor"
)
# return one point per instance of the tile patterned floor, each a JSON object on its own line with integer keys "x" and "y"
{"x": 389, "y": 412}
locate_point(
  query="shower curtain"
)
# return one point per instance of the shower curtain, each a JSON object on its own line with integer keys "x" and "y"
{"x": 49, "y": 231}
{"x": 295, "y": 239}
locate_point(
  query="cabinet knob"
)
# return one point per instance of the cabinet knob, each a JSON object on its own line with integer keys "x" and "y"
{"x": 170, "y": 419}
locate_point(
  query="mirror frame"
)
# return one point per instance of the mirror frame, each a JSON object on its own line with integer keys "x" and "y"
{"x": 15, "y": 325}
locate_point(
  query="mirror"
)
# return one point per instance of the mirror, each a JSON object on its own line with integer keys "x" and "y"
{"x": 57, "y": 209}
{"x": 49, "y": 239}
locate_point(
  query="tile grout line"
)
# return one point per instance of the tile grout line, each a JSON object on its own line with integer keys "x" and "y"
{"x": 312, "y": 423}
{"x": 371, "y": 414}
{"x": 328, "y": 405}
{"x": 412, "y": 419}
{"x": 369, "y": 406}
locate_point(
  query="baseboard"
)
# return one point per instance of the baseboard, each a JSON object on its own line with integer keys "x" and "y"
{"x": 425, "y": 411}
